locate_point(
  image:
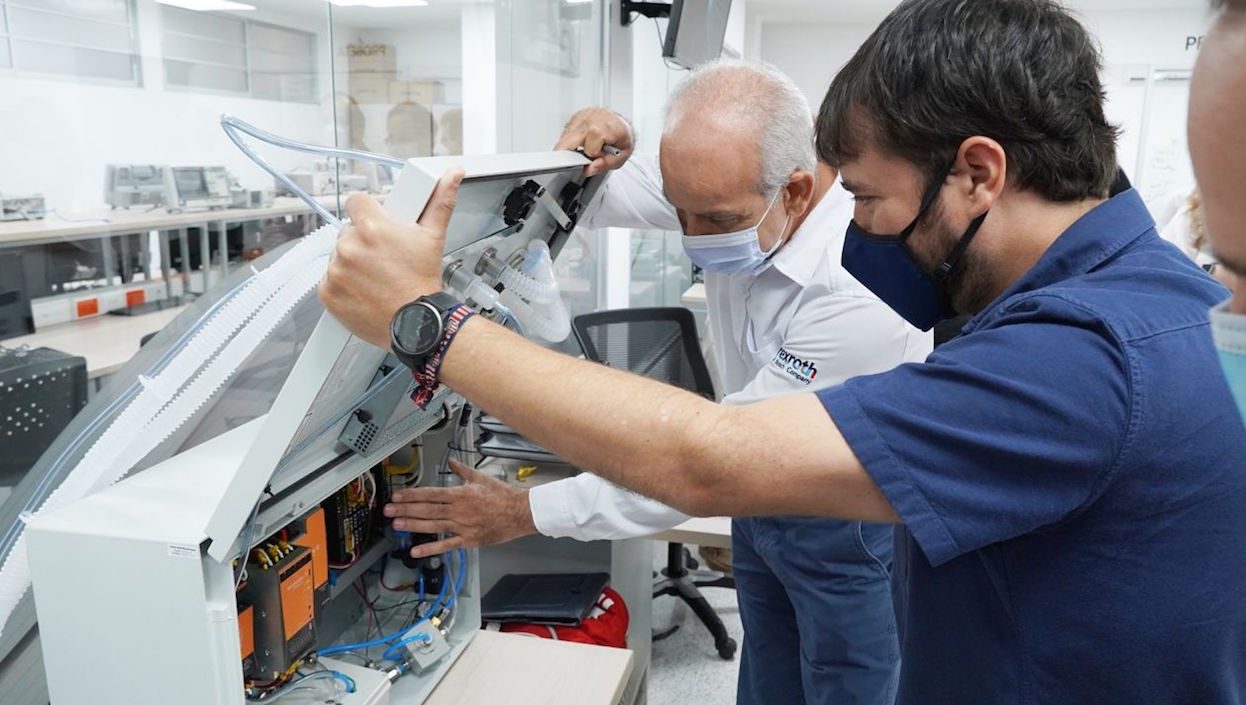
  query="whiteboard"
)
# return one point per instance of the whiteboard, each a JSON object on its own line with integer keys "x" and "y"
{"x": 1150, "y": 105}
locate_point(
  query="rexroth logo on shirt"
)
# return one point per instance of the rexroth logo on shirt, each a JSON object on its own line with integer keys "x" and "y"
{"x": 801, "y": 370}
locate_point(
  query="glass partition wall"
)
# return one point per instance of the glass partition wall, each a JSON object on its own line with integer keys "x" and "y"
{"x": 124, "y": 202}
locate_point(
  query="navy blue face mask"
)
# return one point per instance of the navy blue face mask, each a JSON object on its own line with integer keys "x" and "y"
{"x": 886, "y": 266}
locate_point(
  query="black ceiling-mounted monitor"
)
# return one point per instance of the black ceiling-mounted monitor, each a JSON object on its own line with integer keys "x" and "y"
{"x": 696, "y": 30}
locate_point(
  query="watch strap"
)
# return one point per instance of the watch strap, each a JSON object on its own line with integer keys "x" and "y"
{"x": 426, "y": 378}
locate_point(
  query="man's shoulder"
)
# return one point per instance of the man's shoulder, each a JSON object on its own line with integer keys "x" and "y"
{"x": 1142, "y": 294}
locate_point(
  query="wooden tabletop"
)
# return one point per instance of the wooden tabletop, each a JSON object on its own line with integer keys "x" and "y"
{"x": 107, "y": 342}
{"x": 524, "y": 670}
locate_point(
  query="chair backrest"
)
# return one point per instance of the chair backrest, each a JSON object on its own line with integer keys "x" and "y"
{"x": 658, "y": 343}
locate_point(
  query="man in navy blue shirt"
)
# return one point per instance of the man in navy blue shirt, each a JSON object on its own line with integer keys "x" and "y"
{"x": 1068, "y": 472}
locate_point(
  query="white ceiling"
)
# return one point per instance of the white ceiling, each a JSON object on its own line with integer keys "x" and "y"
{"x": 856, "y": 11}
{"x": 852, "y": 11}
{"x": 438, "y": 12}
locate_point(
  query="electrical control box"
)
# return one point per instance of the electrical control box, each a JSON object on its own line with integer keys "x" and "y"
{"x": 164, "y": 539}
{"x": 350, "y": 516}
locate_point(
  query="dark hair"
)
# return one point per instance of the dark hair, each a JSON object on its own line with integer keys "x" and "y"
{"x": 936, "y": 72}
{"x": 1229, "y": 4}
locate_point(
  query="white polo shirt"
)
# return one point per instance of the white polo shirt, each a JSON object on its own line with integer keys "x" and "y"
{"x": 801, "y": 324}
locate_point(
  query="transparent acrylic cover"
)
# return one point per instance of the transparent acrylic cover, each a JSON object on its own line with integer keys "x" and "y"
{"x": 263, "y": 383}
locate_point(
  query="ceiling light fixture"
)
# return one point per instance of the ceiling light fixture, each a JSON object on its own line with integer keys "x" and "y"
{"x": 207, "y": 5}
{"x": 380, "y": 3}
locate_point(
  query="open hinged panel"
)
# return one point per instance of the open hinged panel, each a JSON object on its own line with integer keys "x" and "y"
{"x": 282, "y": 436}
{"x": 504, "y": 202}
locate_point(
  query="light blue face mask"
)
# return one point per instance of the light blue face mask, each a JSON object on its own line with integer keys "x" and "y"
{"x": 1229, "y": 332}
{"x": 732, "y": 253}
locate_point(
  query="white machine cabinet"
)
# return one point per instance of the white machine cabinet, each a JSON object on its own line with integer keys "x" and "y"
{"x": 134, "y": 585}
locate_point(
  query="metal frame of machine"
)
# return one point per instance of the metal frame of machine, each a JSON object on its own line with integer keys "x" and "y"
{"x": 135, "y": 585}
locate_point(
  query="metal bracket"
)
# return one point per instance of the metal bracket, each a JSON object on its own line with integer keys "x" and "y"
{"x": 555, "y": 210}
{"x": 648, "y": 9}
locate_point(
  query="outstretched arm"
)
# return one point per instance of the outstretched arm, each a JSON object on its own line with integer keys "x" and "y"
{"x": 782, "y": 456}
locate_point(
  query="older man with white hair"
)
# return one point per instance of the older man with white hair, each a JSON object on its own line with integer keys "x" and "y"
{"x": 738, "y": 176}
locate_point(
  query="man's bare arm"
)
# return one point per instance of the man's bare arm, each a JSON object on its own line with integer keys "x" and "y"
{"x": 781, "y": 456}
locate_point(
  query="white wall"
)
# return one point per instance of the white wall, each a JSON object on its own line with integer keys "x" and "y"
{"x": 1157, "y": 37}
{"x": 542, "y": 88}
{"x": 653, "y": 79}
{"x": 1135, "y": 43}
{"x": 811, "y": 54}
{"x": 59, "y": 133}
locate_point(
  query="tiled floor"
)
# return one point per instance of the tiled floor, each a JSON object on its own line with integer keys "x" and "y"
{"x": 685, "y": 667}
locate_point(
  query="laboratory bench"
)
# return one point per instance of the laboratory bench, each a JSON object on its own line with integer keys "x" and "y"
{"x": 104, "y": 222}
{"x": 71, "y": 267}
{"x": 106, "y": 342}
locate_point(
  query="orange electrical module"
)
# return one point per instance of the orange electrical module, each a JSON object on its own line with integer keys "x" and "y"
{"x": 282, "y": 594}
{"x": 246, "y": 632}
{"x": 314, "y": 539}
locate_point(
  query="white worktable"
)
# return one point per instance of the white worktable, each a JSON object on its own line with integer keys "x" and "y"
{"x": 699, "y": 531}
{"x": 107, "y": 342}
{"x": 524, "y": 670}
{"x": 104, "y": 222}
{"x": 694, "y": 296}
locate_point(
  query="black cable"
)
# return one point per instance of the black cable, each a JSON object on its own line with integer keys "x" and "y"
{"x": 362, "y": 589}
{"x": 395, "y": 606}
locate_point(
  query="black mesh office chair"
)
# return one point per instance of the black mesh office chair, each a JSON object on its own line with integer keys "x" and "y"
{"x": 661, "y": 344}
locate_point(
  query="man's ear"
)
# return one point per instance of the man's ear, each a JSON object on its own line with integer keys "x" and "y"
{"x": 799, "y": 192}
{"x": 981, "y": 171}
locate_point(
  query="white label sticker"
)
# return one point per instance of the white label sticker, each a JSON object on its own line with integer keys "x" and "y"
{"x": 176, "y": 551}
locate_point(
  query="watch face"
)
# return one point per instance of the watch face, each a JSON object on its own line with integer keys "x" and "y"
{"x": 417, "y": 328}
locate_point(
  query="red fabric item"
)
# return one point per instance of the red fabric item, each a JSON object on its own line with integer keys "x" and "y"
{"x": 606, "y": 625}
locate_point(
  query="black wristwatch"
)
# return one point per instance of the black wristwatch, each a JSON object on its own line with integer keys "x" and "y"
{"x": 416, "y": 330}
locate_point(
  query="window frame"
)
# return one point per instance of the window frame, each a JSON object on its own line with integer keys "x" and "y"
{"x": 8, "y": 38}
{"x": 248, "y": 69}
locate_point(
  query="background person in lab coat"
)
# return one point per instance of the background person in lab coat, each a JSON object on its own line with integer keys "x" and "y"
{"x": 815, "y": 594}
{"x": 1187, "y": 230}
